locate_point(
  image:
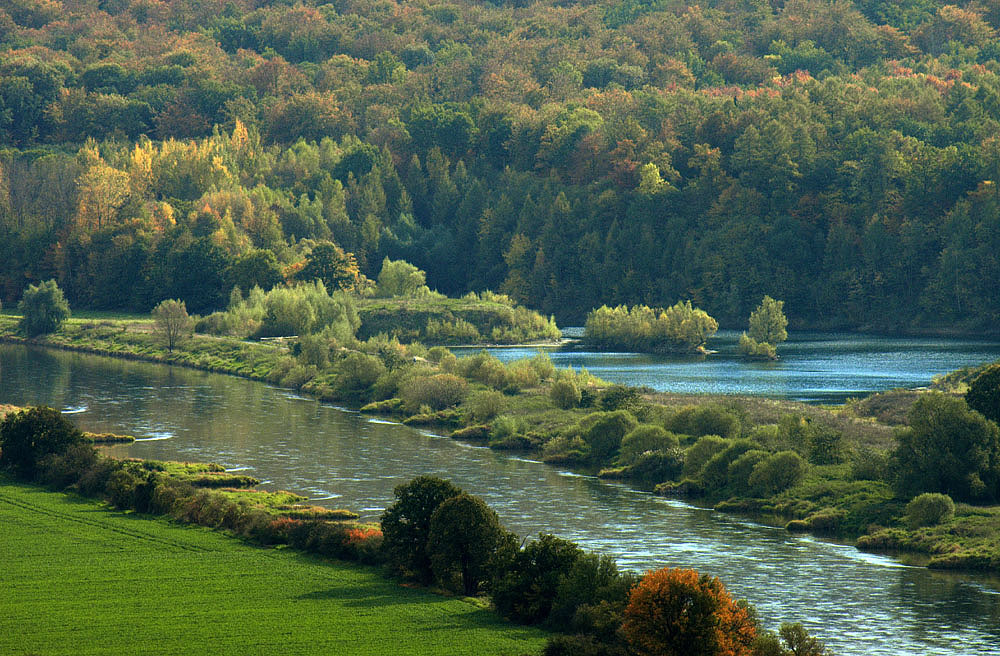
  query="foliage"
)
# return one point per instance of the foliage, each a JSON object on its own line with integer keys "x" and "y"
{"x": 462, "y": 540}
{"x": 704, "y": 419}
{"x": 983, "y": 395}
{"x": 767, "y": 330}
{"x": 330, "y": 265}
{"x": 681, "y": 327}
{"x": 678, "y": 611}
{"x": 28, "y": 436}
{"x": 406, "y": 524}
{"x": 948, "y": 448}
{"x": 527, "y": 588}
{"x": 565, "y": 394}
{"x": 603, "y": 432}
{"x": 777, "y": 473}
{"x": 439, "y": 391}
{"x": 43, "y": 308}
{"x": 643, "y": 439}
{"x": 929, "y": 509}
{"x": 400, "y": 278}
{"x": 172, "y": 322}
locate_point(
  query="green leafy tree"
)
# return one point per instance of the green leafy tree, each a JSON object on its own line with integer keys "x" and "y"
{"x": 527, "y": 588}
{"x": 948, "y": 448}
{"x": 43, "y": 308}
{"x": 400, "y": 278}
{"x": 26, "y": 437}
{"x": 172, "y": 322}
{"x": 330, "y": 264}
{"x": 406, "y": 524}
{"x": 462, "y": 540}
{"x": 984, "y": 393}
{"x": 767, "y": 330}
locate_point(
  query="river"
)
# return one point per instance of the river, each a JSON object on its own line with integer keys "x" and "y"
{"x": 857, "y": 603}
{"x": 813, "y": 367}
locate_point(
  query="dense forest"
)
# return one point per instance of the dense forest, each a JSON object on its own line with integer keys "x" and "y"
{"x": 840, "y": 155}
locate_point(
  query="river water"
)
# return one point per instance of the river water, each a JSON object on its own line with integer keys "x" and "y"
{"x": 813, "y": 367}
{"x": 857, "y": 603}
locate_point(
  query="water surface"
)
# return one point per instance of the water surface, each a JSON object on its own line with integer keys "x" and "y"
{"x": 813, "y": 367}
{"x": 857, "y": 603}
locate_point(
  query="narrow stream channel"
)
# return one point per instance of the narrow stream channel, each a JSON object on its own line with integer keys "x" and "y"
{"x": 856, "y": 603}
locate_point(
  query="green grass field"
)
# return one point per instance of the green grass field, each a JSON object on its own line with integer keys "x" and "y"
{"x": 79, "y": 579}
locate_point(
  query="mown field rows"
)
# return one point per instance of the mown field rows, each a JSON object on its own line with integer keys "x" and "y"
{"x": 79, "y": 579}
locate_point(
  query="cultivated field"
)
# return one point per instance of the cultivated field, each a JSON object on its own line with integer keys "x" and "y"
{"x": 80, "y": 579}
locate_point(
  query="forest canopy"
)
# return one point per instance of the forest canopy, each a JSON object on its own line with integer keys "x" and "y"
{"x": 842, "y": 156}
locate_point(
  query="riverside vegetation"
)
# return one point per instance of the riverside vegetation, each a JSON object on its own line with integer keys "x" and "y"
{"x": 848, "y": 472}
{"x": 433, "y": 533}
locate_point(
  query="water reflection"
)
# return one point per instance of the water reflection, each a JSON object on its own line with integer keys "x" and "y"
{"x": 857, "y": 603}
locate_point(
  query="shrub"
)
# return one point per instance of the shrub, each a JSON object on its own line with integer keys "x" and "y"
{"x": 929, "y": 509}
{"x": 566, "y": 449}
{"x": 643, "y": 439}
{"x": 485, "y": 405}
{"x": 709, "y": 419}
{"x": 777, "y": 473}
{"x": 656, "y": 466}
{"x": 715, "y": 473}
{"x": 701, "y": 452}
{"x": 565, "y": 394}
{"x": 620, "y": 397}
{"x": 28, "y": 436}
{"x": 739, "y": 470}
{"x": 679, "y": 327}
{"x": 869, "y": 465}
{"x": 43, "y": 308}
{"x": 948, "y": 448}
{"x": 400, "y": 278}
{"x": 603, "y": 432}
{"x": 542, "y": 364}
{"x": 357, "y": 373}
{"x": 984, "y": 393}
{"x": 527, "y": 588}
{"x": 522, "y": 374}
{"x": 484, "y": 368}
{"x": 438, "y": 392}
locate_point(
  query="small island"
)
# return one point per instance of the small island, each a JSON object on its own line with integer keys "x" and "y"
{"x": 680, "y": 328}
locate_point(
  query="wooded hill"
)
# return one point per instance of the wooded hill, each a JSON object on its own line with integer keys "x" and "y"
{"x": 842, "y": 156}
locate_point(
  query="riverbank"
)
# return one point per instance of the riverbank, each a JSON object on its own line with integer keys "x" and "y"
{"x": 176, "y": 589}
{"x": 849, "y": 496}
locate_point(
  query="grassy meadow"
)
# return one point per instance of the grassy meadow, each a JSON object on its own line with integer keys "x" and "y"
{"x": 80, "y": 579}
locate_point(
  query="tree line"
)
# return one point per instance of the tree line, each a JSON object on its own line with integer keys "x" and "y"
{"x": 840, "y": 156}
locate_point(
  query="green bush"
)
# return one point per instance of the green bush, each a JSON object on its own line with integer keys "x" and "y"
{"x": 28, "y": 436}
{"x": 699, "y": 453}
{"x": 565, "y": 394}
{"x": 739, "y": 471}
{"x": 439, "y": 391}
{"x": 777, "y": 473}
{"x": 485, "y": 405}
{"x": 929, "y": 509}
{"x": 645, "y": 438}
{"x": 984, "y": 393}
{"x": 43, "y": 308}
{"x": 358, "y": 372}
{"x": 709, "y": 419}
{"x": 603, "y": 432}
{"x": 715, "y": 474}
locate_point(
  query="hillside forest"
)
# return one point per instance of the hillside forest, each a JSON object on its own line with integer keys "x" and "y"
{"x": 840, "y": 155}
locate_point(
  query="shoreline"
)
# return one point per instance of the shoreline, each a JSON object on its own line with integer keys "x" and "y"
{"x": 753, "y": 511}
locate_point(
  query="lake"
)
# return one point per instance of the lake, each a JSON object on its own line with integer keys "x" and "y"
{"x": 857, "y": 603}
{"x": 813, "y": 367}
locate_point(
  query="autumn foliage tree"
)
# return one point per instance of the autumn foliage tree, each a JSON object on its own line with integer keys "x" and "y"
{"x": 678, "y": 612}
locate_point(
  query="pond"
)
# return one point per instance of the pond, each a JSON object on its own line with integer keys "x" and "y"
{"x": 812, "y": 367}
{"x": 857, "y": 603}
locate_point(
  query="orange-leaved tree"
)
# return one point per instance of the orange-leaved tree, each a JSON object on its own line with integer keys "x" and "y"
{"x": 677, "y": 612}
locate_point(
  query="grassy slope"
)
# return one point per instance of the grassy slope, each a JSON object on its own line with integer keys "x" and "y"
{"x": 79, "y": 579}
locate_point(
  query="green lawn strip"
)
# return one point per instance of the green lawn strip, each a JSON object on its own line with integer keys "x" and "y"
{"x": 80, "y": 579}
